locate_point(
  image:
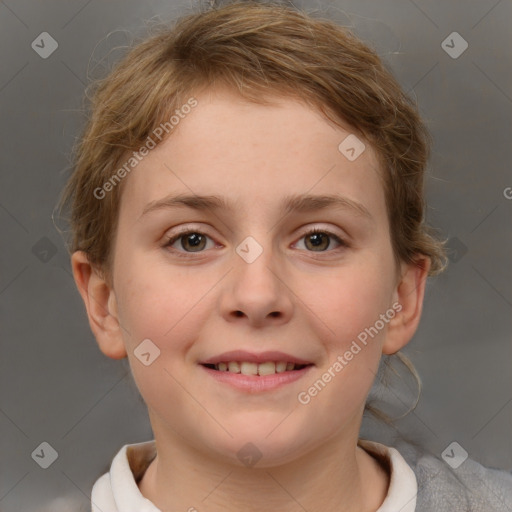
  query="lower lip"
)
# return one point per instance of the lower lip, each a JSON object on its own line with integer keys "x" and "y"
{"x": 255, "y": 383}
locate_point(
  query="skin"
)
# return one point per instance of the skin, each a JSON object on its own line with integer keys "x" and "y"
{"x": 297, "y": 298}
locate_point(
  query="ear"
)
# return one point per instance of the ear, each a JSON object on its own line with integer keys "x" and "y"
{"x": 100, "y": 302}
{"x": 409, "y": 294}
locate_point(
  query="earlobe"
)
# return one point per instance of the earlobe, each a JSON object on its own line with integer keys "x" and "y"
{"x": 409, "y": 294}
{"x": 101, "y": 305}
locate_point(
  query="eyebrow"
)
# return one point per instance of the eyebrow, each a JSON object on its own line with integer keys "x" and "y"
{"x": 292, "y": 203}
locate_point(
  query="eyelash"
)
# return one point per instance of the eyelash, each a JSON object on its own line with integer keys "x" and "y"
{"x": 170, "y": 240}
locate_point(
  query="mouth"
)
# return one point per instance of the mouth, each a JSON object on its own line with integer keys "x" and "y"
{"x": 255, "y": 373}
{"x": 256, "y": 369}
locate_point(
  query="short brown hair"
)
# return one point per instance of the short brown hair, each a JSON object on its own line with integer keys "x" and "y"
{"x": 260, "y": 49}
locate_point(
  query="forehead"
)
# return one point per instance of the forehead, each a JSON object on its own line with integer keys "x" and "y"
{"x": 254, "y": 155}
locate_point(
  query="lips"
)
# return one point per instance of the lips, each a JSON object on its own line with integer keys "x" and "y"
{"x": 251, "y": 377}
{"x": 251, "y": 357}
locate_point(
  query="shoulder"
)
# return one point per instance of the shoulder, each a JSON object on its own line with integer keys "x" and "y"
{"x": 468, "y": 487}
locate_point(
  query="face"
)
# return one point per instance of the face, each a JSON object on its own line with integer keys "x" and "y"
{"x": 251, "y": 277}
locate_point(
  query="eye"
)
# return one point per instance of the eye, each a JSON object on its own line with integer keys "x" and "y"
{"x": 318, "y": 239}
{"x": 191, "y": 239}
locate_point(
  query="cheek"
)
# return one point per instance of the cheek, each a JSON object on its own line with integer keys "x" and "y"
{"x": 149, "y": 305}
{"x": 352, "y": 299}
{"x": 151, "y": 308}
{"x": 161, "y": 303}
{"x": 347, "y": 312}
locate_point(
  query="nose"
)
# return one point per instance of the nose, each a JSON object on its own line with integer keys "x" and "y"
{"x": 257, "y": 290}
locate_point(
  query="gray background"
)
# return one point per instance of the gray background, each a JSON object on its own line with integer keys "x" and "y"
{"x": 57, "y": 387}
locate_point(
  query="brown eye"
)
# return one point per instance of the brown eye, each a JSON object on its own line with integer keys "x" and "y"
{"x": 318, "y": 240}
{"x": 191, "y": 241}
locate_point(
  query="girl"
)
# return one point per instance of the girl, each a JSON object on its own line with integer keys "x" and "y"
{"x": 248, "y": 230}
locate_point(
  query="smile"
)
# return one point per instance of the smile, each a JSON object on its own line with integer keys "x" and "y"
{"x": 250, "y": 368}
{"x": 256, "y": 378}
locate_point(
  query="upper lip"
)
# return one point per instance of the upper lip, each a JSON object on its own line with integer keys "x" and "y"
{"x": 251, "y": 357}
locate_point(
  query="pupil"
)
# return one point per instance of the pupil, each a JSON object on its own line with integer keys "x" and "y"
{"x": 193, "y": 239}
{"x": 316, "y": 239}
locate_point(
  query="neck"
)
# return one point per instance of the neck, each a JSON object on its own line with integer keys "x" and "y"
{"x": 336, "y": 477}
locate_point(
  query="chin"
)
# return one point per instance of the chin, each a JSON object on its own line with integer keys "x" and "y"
{"x": 262, "y": 445}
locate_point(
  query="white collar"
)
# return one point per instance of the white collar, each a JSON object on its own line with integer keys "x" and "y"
{"x": 403, "y": 486}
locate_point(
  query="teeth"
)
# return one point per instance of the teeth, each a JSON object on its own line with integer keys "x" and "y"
{"x": 266, "y": 368}
{"x": 281, "y": 367}
{"x": 234, "y": 367}
{"x": 247, "y": 368}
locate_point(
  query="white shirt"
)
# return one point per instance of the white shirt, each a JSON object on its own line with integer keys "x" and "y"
{"x": 117, "y": 491}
